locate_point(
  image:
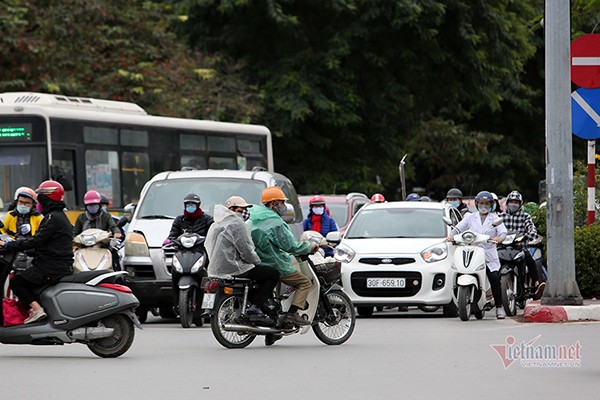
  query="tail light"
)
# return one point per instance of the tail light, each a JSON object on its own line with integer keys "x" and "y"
{"x": 114, "y": 286}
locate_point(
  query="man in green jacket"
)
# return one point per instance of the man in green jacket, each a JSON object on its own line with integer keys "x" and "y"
{"x": 275, "y": 245}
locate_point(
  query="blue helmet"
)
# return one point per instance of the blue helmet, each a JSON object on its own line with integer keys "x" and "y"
{"x": 413, "y": 197}
{"x": 484, "y": 195}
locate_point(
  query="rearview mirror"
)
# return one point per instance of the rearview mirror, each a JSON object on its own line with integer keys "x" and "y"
{"x": 447, "y": 221}
{"x": 124, "y": 220}
{"x": 333, "y": 237}
{"x": 129, "y": 208}
{"x": 290, "y": 214}
{"x": 497, "y": 221}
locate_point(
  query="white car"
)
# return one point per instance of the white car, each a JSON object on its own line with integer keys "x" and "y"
{"x": 395, "y": 254}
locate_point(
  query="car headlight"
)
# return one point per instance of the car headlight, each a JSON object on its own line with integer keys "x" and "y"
{"x": 177, "y": 265}
{"x": 344, "y": 253}
{"x": 136, "y": 246}
{"x": 435, "y": 253}
{"x": 188, "y": 242}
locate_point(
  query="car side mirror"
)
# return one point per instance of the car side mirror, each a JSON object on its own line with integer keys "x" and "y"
{"x": 333, "y": 237}
{"x": 129, "y": 208}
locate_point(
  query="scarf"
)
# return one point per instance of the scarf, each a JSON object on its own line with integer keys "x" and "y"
{"x": 316, "y": 222}
{"x": 195, "y": 214}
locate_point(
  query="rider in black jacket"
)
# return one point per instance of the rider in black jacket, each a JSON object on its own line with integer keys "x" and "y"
{"x": 193, "y": 220}
{"x": 53, "y": 243}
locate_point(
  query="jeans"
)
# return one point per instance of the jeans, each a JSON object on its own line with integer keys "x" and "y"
{"x": 267, "y": 278}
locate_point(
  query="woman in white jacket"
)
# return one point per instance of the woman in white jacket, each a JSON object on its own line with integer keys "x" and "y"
{"x": 481, "y": 222}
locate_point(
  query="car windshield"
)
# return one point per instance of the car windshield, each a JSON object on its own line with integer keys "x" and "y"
{"x": 164, "y": 199}
{"x": 398, "y": 223}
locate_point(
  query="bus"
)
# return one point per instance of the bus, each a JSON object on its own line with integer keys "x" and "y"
{"x": 113, "y": 147}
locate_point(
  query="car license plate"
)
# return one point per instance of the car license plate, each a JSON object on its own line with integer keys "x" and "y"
{"x": 208, "y": 300}
{"x": 386, "y": 283}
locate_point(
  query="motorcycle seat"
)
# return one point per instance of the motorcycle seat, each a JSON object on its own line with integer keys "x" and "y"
{"x": 84, "y": 276}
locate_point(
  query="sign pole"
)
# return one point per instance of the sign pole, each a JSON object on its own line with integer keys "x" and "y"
{"x": 591, "y": 186}
{"x": 562, "y": 288}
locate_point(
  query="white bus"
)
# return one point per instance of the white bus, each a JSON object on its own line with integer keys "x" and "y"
{"x": 111, "y": 146}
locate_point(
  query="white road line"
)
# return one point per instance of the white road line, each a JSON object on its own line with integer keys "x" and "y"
{"x": 586, "y": 107}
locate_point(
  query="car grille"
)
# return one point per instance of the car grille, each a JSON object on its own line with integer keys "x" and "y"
{"x": 141, "y": 271}
{"x": 358, "y": 280}
{"x": 387, "y": 260}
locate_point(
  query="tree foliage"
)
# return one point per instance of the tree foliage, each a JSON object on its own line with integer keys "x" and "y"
{"x": 350, "y": 85}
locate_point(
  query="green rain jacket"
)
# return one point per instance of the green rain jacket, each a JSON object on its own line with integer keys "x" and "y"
{"x": 275, "y": 243}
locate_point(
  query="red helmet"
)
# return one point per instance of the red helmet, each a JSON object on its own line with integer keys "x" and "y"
{"x": 92, "y": 197}
{"x": 51, "y": 189}
{"x": 377, "y": 198}
{"x": 317, "y": 200}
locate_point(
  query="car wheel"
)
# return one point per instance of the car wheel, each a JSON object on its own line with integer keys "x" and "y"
{"x": 429, "y": 308}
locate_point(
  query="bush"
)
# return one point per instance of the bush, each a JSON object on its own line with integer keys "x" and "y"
{"x": 587, "y": 259}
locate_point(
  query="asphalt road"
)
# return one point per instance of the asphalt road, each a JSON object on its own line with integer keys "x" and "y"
{"x": 390, "y": 356}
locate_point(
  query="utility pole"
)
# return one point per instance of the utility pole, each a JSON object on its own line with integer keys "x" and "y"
{"x": 562, "y": 288}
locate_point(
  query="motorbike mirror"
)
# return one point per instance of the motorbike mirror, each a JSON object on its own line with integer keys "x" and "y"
{"x": 447, "y": 221}
{"x": 333, "y": 237}
{"x": 497, "y": 221}
{"x": 124, "y": 220}
{"x": 290, "y": 214}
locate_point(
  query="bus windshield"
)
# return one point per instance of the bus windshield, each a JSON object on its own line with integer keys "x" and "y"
{"x": 164, "y": 199}
{"x": 20, "y": 166}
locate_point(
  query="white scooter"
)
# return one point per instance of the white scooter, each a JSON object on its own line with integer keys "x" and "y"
{"x": 92, "y": 251}
{"x": 470, "y": 278}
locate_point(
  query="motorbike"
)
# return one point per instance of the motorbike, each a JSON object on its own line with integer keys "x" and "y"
{"x": 87, "y": 308}
{"x": 512, "y": 272}
{"x": 188, "y": 262}
{"x": 470, "y": 278}
{"x": 93, "y": 250}
{"x": 329, "y": 310}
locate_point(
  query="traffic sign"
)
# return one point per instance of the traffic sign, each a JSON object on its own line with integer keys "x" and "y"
{"x": 585, "y": 111}
{"x": 585, "y": 61}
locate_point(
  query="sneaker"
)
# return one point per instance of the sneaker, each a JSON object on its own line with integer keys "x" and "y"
{"x": 35, "y": 316}
{"x": 539, "y": 291}
{"x": 271, "y": 338}
{"x": 500, "y": 313}
{"x": 296, "y": 318}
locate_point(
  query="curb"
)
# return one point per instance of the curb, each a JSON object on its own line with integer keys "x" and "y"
{"x": 535, "y": 312}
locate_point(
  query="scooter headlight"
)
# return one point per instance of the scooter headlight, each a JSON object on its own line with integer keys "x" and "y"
{"x": 188, "y": 242}
{"x": 177, "y": 265}
{"x": 197, "y": 265}
{"x": 468, "y": 237}
{"x": 435, "y": 253}
{"x": 344, "y": 253}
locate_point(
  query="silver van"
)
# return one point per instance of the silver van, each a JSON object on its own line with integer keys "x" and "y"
{"x": 161, "y": 200}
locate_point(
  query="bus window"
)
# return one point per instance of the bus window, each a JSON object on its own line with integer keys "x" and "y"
{"x": 102, "y": 173}
{"x": 222, "y": 163}
{"x": 192, "y": 142}
{"x": 21, "y": 166}
{"x": 64, "y": 159}
{"x": 197, "y": 162}
{"x": 135, "y": 169}
{"x": 222, "y": 144}
{"x": 130, "y": 137}
{"x": 100, "y": 135}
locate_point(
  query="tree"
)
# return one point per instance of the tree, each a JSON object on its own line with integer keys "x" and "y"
{"x": 348, "y": 85}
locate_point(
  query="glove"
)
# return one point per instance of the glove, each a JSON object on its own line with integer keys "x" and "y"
{"x": 25, "y": 229}
{"x": 167, "y": 242}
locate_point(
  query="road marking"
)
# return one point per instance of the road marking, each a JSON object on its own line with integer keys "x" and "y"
{"x": 582, "y": 61}
{"x": 586, "y": 107}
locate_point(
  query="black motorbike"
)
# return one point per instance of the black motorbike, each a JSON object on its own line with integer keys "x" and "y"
{"x": 512, "y": 272}
{"x": 188, "y": 262}
{"x": 88, "y": 308}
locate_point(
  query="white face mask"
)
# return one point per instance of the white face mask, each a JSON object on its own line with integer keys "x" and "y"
{"x": 318, "y": 210}
{"x": 484, "y": 209}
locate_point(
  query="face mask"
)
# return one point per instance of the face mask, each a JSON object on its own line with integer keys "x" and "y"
{"x": 93, "y": 208}
{"x": 318, "y": 210}
{"x": 105, "y": 209}
{"x": 244, "y": 214}
{"x": 513, "y": 208}
{"x": 494, "y": 207}
{"x": 191, "y": 208}
{"x": 484, "y": 209}
{"x": 23, "y": 209}
{"x": 281, "y": 209}
{"x": 455, "y": 203}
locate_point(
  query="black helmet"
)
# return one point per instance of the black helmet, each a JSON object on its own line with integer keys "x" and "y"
{"x": 192, "y": 198}
{"x": 484, "y": 195}
{"x": 413, "y": 197}
{"x": 103, "y": 199}
{"x": 454, "y": 192}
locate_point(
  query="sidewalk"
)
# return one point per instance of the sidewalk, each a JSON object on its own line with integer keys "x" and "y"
{"x": 535, "y": 312}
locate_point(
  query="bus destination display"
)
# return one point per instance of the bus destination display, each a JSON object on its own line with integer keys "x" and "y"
{"x": 15, "y": 133}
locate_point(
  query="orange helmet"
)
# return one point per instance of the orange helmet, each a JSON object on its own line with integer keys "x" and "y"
{"x": 316, "y": 200}
{"x": 26, "y": 192}
{"x": 52, "y": 189}
{"x": 272, "y": 193}
{"x": 377, "y": 198}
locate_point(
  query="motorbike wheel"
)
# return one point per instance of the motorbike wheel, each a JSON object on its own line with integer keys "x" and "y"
{"x": 227, "y": 310}
{"x": 464, "y": 302}
{"x": 187, "y": 303}
{"x": 337, "y": 328}
{"x": 509, "y": 295}
{"x": 119, "y": 342}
